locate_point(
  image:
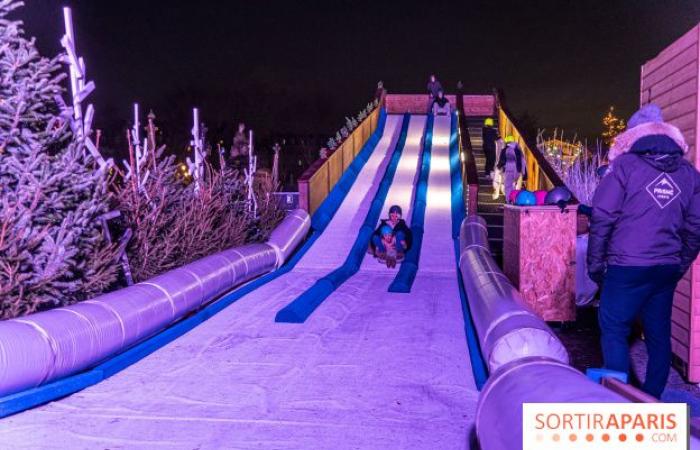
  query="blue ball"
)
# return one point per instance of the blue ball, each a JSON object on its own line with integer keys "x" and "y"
{"x": 526, "y": 198}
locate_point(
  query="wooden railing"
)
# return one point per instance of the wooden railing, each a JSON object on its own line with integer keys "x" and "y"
{"x": 540, "y": 174}
{"x": 318, "y": 180}
{"x": 470, "y": 175}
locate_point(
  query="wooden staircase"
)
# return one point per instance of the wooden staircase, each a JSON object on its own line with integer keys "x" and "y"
{"x": 491, "y": 210}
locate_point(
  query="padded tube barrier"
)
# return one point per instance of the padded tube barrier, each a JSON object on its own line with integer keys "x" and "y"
{"x": 325, "y": 212}
{"x": 407, "y": 272}
{"x": 506, "y": 328}
{"x": 499, "y": 413}
{"x": 479, "y": 369}
{"x": 289, "y": 234}
{"x": 303, "y": 306}
{"x": 49, "y": 345}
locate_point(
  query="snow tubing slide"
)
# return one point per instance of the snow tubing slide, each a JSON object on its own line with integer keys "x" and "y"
{"x": 303, "y": 306}
{"x": 25, "y": 367}
{"x": 407, "y": 272}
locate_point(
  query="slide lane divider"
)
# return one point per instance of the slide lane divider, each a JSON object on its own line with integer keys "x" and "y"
{"x": 478, "y": 364}
{"x": 303, "y": 306}
{"x": 30, "y": 398}
{"x": 409, "y": 267}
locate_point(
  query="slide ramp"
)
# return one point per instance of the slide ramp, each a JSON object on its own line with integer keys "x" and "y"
{"x": 369, "y": 369}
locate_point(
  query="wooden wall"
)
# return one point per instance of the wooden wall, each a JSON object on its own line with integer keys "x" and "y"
{"x": 670, "y": 80}
{"x": 474, "y": 105}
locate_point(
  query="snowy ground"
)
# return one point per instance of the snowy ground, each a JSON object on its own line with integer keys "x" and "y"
{"x": 368, "y": 370}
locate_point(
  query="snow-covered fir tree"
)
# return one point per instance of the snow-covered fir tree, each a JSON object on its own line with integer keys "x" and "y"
{"x": 52, "y": 250}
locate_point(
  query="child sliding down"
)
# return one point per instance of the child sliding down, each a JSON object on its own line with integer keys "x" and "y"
{"x": 392, "y": 239}
{"x": 386, "y": 250}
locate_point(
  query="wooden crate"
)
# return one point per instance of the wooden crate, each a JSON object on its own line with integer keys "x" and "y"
{"x": 670, "y": 80}
{"x": 539, "y": 257}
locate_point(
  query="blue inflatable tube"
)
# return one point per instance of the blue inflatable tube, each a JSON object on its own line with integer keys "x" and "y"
{"x": 407, "y": 273}
{"x": 303, "y": 306}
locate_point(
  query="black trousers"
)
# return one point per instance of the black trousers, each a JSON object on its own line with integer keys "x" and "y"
{"x": 490, "y": 153}
{"x": 647, "y": 292}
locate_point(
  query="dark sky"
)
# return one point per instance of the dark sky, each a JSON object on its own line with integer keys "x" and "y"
{"x": 302, "y": 66}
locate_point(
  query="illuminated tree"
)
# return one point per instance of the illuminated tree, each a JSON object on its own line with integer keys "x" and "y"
{"x": 613, "y": 126}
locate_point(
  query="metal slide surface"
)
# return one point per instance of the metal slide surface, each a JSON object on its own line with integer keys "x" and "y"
{"x": 368, "y": 370}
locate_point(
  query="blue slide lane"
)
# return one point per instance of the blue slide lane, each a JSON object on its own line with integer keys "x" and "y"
{"x": 409, "y": 267}
{"x": 477, "y": 360}
{"x": 303, "y": 306}
{"x": 30, "y": 398}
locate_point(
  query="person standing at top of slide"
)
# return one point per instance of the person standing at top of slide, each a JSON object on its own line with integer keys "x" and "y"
{"x": 434, "y": 87}
{"x": 489, "y": 135}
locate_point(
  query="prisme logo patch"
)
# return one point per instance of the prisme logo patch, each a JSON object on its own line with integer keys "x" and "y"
{"x": 614, "y": 426}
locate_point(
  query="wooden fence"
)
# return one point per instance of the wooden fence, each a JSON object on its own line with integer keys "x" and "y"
{"x": 318, "y": 180}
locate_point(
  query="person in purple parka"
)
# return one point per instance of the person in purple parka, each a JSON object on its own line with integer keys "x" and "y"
{"x": 644, "y": 235}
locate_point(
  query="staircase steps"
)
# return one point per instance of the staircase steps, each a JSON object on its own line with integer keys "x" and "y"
{"x": 491, "y": 210}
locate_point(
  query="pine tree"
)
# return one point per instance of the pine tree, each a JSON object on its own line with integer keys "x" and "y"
{"x": 613, "y": 126}
{"x": 52, "y": 249}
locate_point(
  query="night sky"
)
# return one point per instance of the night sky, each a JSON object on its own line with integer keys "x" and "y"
{"x": 301, "y": 67}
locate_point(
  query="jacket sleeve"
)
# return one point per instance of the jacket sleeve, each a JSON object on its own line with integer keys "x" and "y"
{"x": 607, "y": 207}
{"x": 690, "y": 233}
{"x": 519, "y": 161}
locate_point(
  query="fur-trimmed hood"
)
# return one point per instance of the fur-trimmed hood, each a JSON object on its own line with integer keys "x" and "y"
{"x": 624, "y": 141}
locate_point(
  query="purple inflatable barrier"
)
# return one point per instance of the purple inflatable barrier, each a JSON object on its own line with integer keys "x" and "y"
{"x": 285, "y": 238}
{"x": 52, "y": 344}
{"x": 507, "y": 330}
{"x": 499, "y": 414}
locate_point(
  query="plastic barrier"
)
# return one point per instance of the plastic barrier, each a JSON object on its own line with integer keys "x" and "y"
{"x": 478, "y": 364}
{"x": 303, "y": 306}
{"x": 407, "y": 273}
{"x": 499, "y": 413}
{"x": 507, "y": 330}
{"x": 49, "y": 345}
